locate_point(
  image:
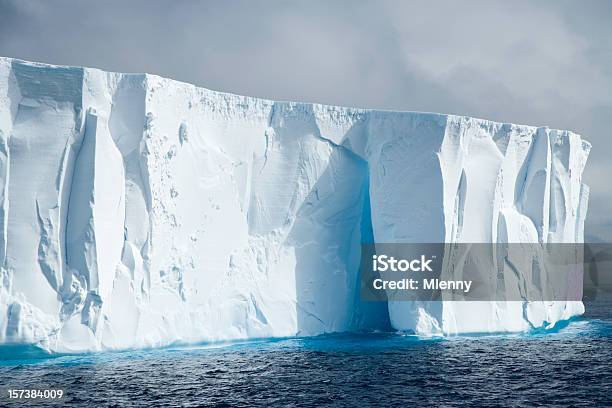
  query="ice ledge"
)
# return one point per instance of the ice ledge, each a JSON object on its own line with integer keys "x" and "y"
{"x": 338, "y": 116}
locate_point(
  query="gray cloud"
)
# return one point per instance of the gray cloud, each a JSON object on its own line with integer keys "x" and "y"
{"x": 536, "y": 62}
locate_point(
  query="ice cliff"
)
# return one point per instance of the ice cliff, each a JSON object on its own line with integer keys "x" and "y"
{"x": 139, "y": 211}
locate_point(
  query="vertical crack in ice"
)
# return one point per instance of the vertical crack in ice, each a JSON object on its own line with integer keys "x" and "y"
{"x": 269, "y": 135}
{"x": 5, "y": 166}
{"x": 47, "y": 249}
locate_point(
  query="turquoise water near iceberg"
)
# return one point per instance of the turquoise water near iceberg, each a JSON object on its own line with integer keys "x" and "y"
{"x": 568, "y": 366}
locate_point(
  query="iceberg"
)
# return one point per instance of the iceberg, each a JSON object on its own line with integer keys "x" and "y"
{"x": 139, "y": 211}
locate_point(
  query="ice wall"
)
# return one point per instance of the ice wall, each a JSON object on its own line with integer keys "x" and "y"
{"x": 138, "y": 211}
{"x": 463, "y": 180}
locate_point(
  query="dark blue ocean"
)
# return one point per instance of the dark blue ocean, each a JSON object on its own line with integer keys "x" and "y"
{"x": 570, "y": 366}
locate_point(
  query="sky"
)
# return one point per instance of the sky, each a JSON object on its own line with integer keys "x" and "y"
{"x": 542, "y": 63}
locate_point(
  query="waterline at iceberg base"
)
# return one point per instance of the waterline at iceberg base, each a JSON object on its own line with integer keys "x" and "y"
{"x": 138, "y": 211}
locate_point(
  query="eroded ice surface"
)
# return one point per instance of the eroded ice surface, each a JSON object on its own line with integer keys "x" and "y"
{"x": 139, "y": 211}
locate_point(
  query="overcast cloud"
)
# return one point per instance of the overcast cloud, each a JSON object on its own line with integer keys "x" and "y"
{"x": 545, "y": 63}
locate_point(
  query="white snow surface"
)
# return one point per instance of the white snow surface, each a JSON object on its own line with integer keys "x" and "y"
{"x": 138, "y": 211}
